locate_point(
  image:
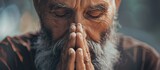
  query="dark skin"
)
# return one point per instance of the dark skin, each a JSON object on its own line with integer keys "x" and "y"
{"x": 80, "y": 20}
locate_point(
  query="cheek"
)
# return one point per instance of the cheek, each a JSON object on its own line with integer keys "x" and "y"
{"x": 95, "y": 29}
{"x": 56, "y": 26}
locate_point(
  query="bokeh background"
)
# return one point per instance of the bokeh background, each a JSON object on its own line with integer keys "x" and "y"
{"x": 138, "y": 18}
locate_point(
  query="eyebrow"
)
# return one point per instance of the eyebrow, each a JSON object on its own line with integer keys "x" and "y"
{"x": 57, "y": 5}
{"x": 99, "y": 7}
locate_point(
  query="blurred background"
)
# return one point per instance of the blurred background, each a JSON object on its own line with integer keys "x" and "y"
{"x": 138, "y": 18}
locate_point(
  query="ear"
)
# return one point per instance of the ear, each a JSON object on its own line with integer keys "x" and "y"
{"x": 117, "y": 2}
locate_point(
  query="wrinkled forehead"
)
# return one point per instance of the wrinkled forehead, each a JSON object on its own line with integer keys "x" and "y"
{"x": 80, "y": 3}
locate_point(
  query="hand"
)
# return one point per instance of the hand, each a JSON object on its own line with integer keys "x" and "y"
{"x": 83, "y": 59}
{"x": 79, "y": 59}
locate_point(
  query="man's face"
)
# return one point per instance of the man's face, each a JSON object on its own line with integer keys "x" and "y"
{"x": 96, "y": 16}
{"x": 76, "y": 24}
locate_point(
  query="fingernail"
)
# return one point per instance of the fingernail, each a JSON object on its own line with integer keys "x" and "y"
{"x": 80, "y": 51}
{"x": 71, "y": 51}
{"x": 79, "y": 24}
{"x": 73, "y": 27}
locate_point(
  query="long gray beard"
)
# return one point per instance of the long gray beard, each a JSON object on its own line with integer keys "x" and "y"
{"x": 105, "y": 54}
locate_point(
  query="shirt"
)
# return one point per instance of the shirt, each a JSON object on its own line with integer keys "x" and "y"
{"x": 16, "y": 53}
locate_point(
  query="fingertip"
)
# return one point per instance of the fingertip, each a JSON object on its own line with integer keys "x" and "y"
{"x": 79, "y": 51}
{"x": 72, "y": 40}
{"x": 71, "y": 51}
{"x": 72, "y": 35}
{"x": 79, "y": 59}
{"x": 71, "y": 59}
{"x": 73, "y": 27}
{"x": 79, "y": 24}
{"x": 79, "y": 28}
{"x": 79, "y": 55}
{"x": 79, "y": 35}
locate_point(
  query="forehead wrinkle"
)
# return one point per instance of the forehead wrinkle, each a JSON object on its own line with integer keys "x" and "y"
{"x": 81, "y": 4}
{"x": 66, "y": 3}
{"x": 85, "y": 4}
{"x": 60, "y": 5}
{"x": 56, "y": 2}
{"x": 104, "y": 4}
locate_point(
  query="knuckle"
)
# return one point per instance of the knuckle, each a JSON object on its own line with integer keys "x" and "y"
{"x": 87, "y": 61}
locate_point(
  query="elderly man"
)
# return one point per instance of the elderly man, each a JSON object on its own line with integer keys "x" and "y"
{"x": 77, "y": 35}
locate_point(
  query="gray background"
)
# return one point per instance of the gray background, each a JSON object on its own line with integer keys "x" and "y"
{"x": 141, "y": 19}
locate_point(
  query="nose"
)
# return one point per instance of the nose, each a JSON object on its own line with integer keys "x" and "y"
{"x": 80, "y": 21}
{"x": 78, "y": 18}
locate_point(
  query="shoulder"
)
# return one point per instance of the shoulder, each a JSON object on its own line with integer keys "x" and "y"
{"x": 141, "y": 53}
{"x": 24, "y": 40}
{"x": 15, "y": 52}
{"x": 128, "y": 42}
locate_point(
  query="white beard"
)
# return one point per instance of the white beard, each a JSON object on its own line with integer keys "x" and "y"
{"x": 106, "y": 58}
{"x": 106, "y": 54}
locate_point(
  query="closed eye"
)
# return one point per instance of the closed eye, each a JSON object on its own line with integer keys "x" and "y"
{"x": 95, "y": 13}
{"x": 62, "y": 12}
